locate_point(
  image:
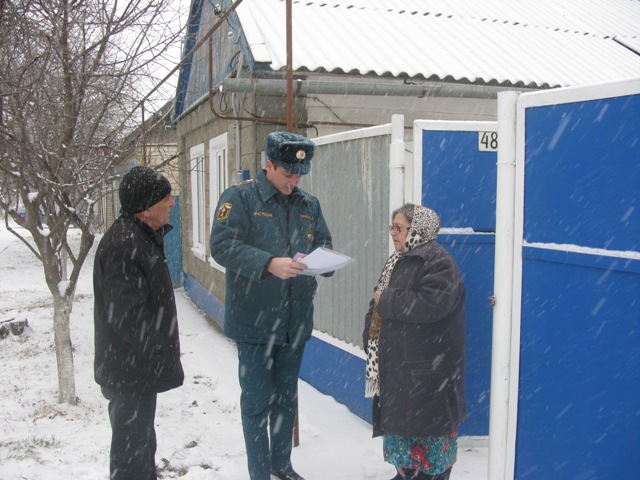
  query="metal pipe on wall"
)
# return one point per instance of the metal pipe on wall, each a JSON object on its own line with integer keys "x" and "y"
{"x": 307, "y": 87}
{"x": 235, "y": 102}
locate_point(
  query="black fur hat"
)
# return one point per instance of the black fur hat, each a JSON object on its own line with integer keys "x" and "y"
{"x": 142, "y": 187}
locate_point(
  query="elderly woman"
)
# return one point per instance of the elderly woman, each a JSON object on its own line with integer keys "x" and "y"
{"x": 415, "y": 342}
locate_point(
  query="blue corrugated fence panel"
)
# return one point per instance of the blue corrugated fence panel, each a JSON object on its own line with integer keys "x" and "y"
{"x": 459, "y": 181}
{"x": 580, "y": 316}
{"x": 580, "y": 367}
{"x": 474, "y": 255}
{"x": 582, "y": 174}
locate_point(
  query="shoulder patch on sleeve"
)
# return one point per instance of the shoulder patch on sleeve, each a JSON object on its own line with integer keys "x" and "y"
{"x": 223, "y": 211}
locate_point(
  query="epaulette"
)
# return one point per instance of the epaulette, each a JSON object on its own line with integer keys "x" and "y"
{"x": 244, "y": 182}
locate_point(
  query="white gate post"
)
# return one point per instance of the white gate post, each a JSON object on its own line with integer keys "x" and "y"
{"x": 396, "y": 167}
{"x": 503, "y": 291}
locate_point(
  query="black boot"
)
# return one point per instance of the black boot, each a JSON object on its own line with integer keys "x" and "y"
{"x": 408, "y": 474}
{"x": 417, "y": 475}
{"x": 443, "y": 476}
{"x": 288, "y": 475}
{"x": 404, "y": 474}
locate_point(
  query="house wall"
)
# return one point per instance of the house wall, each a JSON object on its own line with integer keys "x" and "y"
{"x": 197, "y": 127}
{"x": 377, "y": 110}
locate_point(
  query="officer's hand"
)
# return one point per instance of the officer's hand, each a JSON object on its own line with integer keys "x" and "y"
{"x": 285, "y": 267}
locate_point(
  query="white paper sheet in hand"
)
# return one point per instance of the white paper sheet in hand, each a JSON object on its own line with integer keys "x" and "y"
{"x": 322, "y": 260}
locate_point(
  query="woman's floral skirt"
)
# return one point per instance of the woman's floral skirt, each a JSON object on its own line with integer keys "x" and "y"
{"x": 431, "y": 455}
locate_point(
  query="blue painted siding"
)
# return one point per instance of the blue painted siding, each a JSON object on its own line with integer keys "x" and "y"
{"x": 173, "y": 245}
{"x": 206, "y": 300}
{"x": 335, "y": 372}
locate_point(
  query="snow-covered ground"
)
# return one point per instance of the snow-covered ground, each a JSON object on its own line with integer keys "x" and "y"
{"x": 198, "y": 425}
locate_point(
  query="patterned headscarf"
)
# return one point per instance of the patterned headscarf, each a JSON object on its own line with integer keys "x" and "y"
{"x": 424, "y": 228}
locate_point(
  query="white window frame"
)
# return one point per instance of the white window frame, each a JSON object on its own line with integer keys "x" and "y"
{"x": 198, "y": 216}
{"x": 218, "y": 178}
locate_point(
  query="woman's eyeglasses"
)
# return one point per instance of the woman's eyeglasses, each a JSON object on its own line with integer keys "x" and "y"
{"x": 397, "y": 228}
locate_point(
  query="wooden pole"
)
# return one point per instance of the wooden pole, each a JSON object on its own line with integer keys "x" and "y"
{"x": 290, "y": 125}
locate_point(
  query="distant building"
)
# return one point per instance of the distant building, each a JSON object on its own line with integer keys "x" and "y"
{"x": 153, "y": 144}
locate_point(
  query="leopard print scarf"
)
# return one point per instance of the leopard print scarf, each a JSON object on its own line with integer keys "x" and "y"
{"x": 424, "y": 228}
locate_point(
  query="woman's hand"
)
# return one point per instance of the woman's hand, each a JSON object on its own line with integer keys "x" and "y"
{"x": 376, "y": 296}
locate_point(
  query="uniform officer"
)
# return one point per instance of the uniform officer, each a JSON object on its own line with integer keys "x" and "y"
{"x": 259, "y": 227}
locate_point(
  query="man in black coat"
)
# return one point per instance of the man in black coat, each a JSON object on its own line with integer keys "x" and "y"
{"x": 137, "y": 346}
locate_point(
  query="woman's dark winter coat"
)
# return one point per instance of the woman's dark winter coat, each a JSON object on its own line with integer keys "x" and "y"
{"x": 137, "y": 344}
{"x": 421, "y": 346}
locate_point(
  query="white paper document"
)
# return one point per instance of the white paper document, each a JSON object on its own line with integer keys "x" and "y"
{"x": 322, "y": 260}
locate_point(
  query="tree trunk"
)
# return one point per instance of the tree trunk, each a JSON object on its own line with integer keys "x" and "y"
{"x": 64, "y": 350}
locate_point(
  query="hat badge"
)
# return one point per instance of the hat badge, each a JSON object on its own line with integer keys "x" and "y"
{"x": 301, "y": 154}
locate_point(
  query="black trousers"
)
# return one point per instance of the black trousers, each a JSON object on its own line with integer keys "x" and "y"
{"x": 133, "y": 435}
{"x": 443, "y": 476}
{"x": 412, "y": 474}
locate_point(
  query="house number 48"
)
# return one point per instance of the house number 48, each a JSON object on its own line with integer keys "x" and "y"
{"x": 488, "y": 141}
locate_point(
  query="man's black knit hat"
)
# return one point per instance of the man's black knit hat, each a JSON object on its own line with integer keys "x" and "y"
{"x": 142, "y": 187}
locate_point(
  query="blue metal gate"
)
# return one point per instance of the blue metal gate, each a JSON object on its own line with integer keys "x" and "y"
{"x": 579, "y": 370}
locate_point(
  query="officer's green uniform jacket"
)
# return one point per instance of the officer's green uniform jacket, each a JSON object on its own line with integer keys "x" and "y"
{"x": 251, "y": 227}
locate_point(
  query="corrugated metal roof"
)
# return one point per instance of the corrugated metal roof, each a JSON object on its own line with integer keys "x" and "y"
{"x": 542, "y": 43}
{"x": 595, "y": 17}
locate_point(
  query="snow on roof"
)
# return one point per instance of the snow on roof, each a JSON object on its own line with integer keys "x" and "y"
{"x": 542, "y": 43}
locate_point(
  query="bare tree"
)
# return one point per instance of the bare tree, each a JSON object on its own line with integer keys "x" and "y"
{"x": 73, "y": 72}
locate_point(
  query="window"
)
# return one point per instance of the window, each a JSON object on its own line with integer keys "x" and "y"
{"x": 218, "y": 176}
{"x": 198, "y": 201}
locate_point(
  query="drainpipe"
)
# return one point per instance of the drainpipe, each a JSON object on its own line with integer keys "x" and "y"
{"x": 396, "y": 167}
{"x": 236, "y": 112}
{"x": 307, "y": 87}
{"x": 500, "y": 468}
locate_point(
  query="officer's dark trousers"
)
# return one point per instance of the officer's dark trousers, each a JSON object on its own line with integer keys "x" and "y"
{"x": 268, "y": 379}
{"x": 133, "y": 436}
